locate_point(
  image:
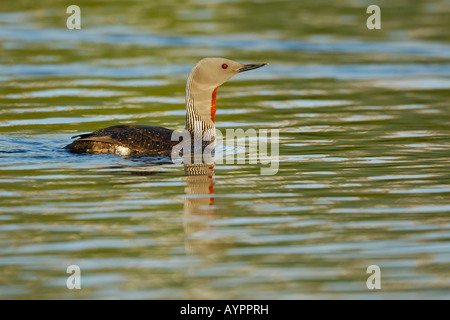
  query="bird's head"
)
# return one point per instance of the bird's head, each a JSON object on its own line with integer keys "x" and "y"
{"x": 201, "y": 88}
{"x": 213, "y": 72}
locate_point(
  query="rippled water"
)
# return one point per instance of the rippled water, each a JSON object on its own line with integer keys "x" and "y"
{"x": 363, "y": 173}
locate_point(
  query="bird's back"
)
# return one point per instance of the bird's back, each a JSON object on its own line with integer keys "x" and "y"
{"x": 125, "y": 140}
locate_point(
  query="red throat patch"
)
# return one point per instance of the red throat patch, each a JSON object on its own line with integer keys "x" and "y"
{"x": 213, "y": 105}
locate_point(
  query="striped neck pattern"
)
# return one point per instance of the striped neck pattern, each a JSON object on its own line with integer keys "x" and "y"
{"x": 200, "y": 108}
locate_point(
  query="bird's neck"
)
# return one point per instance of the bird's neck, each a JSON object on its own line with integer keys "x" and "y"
{"x": 200, "y": 108}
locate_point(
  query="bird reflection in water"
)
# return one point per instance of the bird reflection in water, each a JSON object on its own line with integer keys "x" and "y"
{"x": 199, "y": 208}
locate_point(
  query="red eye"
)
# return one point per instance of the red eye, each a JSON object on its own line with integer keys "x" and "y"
{"x": 224, "y": 66}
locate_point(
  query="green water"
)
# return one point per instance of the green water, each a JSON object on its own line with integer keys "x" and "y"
{"x": 363, "y": 173}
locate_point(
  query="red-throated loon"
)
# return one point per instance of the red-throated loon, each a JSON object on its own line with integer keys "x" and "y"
{"x": 201, "y": 88}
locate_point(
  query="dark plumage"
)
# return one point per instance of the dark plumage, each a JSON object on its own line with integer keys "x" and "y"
{"x": 124, "y": 139}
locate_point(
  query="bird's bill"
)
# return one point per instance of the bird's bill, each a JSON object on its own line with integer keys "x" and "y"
{"x": 247, "y": 67}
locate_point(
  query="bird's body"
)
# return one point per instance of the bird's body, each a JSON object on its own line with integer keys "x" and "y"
{"x": 125, "y": 140}
{"x": 201, "y": 90}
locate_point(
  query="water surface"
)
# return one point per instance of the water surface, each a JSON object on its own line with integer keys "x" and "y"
{"x": 363, "y": 173}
